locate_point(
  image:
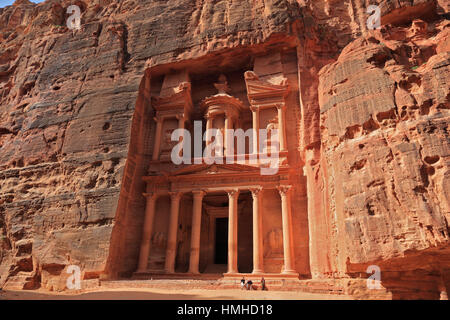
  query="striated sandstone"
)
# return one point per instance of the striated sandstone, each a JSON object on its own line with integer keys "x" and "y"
{"x": 373, "y": 127}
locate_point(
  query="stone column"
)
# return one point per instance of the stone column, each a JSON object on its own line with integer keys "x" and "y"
{"x": 209, "y": 125}
{"x": 288, "y": 249}
{"x": 281, "y": 127}
{"x": 258, "y": 264}
{"x": 147, "y": 231}
{"x": 228, "y": 126}
{"x": 171, "y": 250}
{"x": 255, "y": 114}
{"x": 196, "y": 228}
{"x": 157, "y": 142}
{"x": 181, "y": 121}
{"x": 233, "y": 196}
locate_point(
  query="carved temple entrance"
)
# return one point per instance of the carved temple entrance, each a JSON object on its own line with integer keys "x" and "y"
{"x": 199, "y": 199}
{"x": 222, "y": 218}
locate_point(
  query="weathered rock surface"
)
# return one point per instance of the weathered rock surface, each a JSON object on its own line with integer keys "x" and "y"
{"x": 375, "y": 129}
{"x": 385, "y": 152}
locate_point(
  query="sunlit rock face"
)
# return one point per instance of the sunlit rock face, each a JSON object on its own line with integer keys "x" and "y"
{"x": 366, "y": 125}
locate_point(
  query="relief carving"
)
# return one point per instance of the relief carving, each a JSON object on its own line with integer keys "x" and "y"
{"x": 273, "y": 243}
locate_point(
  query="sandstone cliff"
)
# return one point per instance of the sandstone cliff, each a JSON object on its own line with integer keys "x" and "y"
{"x": 374, "y": 123}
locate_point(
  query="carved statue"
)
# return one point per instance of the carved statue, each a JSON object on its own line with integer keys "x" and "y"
{"x": 273, "y": 243}
{"x": 222, "y": 85}
{"x": 272, "y": 134}
{"x": 272, "y": 125}
{"x": 168, "y": 143}
{"x": 159, "y": 239}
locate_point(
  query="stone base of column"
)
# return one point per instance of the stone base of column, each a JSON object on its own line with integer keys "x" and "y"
{"x": 141, "y": 271}
{"x": 193, "y": 272}
{"x": 290, "y": 272}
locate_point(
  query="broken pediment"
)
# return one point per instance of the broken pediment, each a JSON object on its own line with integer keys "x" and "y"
{"x": 175, "y": 97}
{"x": 180, "y": 100}
{"x": 262, "y": 92}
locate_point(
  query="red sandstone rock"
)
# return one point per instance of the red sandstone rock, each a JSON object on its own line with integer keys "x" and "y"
{"x": 371, "y": 136}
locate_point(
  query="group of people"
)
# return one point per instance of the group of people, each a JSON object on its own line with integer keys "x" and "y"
{"x": 249, "y": 284}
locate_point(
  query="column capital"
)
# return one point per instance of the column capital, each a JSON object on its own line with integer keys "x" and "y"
{"x": 255, "y": 191}
{"x": 284, "y": 189}
{"x": 158, "y": 118}
{"x": 150, "y": 195}
{"x": 280, "y": 106}
{"x": 254, "y": 108}
{"x": 175, "y": 195}
{"x": 199, "y": 193}
{"x": 180, "y": 116}
{"x": 233, "y": 193}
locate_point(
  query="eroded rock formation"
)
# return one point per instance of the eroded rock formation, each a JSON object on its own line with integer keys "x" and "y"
{"x": 76, "y": 125}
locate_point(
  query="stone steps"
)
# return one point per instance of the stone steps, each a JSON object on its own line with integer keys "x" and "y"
{"x": 319, "y": 287}
{"x": 161, "y": 275}
{"x": 179, "y": 284}
{"x": 21, "y": 281}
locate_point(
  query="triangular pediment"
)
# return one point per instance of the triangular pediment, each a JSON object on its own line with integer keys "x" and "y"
{"x": 214, "y": 169}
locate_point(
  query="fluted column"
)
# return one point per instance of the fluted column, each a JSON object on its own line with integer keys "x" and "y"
{"x": 281, "y": 126}
{"x": 171, "y": 250}
{"x": 147, "y": 231}
{"x": 233, "y": 196}
{"x": 258, "y": 264}
{"x": 157, "y": 142}
{"x": 255, "y": 115}
{"x": 288, "y": 249}
{"x": 196, "y": 228}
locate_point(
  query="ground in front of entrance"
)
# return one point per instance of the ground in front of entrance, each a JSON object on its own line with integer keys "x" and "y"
{"x": 167, "y": 294}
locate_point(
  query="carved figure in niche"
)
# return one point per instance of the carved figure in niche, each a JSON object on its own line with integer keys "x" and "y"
{"x": 159, "y": 240}
{"x": 183, "y": 86}
{"x": 273, "y": 243}
{"x": 272, "y": 133}
{"x": 168, "y": 143}
{"x": 222, "y": 85}
{"x": 272, "y": 125}
{"x": 218, "y": 140}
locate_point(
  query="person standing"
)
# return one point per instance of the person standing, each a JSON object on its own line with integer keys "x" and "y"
{"x": 242, "y": 283}
{"x": 263, "y": 284}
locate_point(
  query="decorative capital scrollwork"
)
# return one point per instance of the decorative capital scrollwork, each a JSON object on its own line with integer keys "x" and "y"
{"x": 150, "y": 195}
{"x": 256, "y": 191}
{"x": 284, "y": 189}
{"x": 233, "y": 193}
{"x": 280, "y": 106}
{"x": 175, "y": 195}
{"x": 198, "y": 193}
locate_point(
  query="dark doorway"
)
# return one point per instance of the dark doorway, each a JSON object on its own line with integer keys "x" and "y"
{"x": 221, "y": 252}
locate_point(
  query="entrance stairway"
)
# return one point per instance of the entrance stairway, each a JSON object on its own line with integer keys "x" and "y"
{"x": 217, "y": 282}
{"x": 21, "y": 281}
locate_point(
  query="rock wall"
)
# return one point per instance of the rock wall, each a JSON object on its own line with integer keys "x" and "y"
{"x": 74, "y": 133}
{"x": 384, "y": 162}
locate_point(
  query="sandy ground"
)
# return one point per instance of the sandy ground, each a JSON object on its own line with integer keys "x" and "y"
{"x": 164, "y": 294}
